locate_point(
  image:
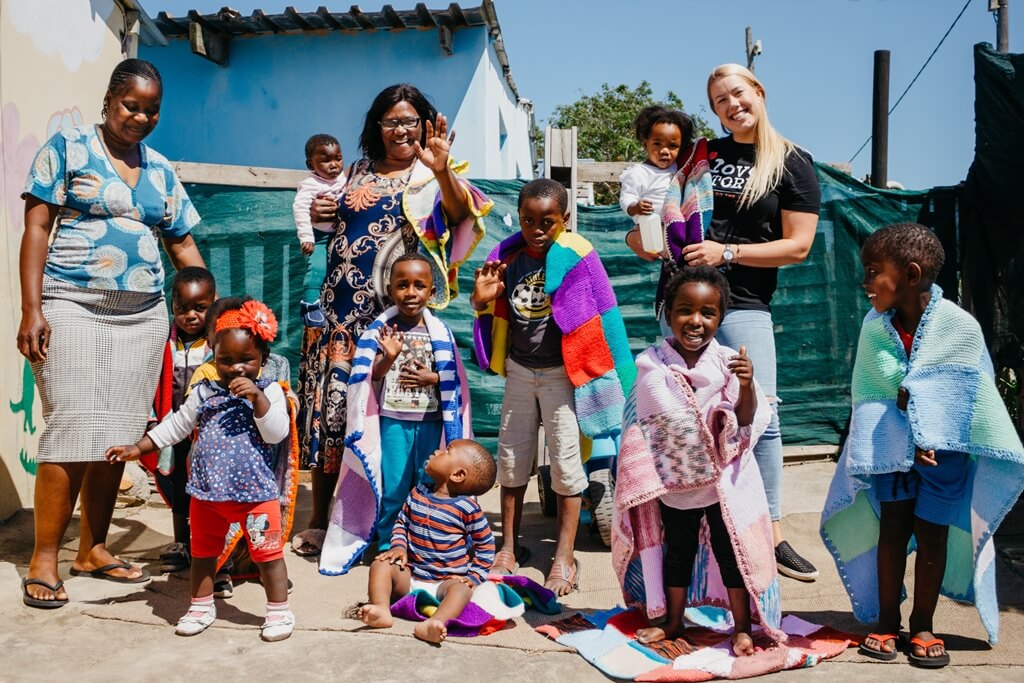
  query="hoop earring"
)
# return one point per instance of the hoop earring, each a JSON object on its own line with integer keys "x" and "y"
{"x": 103, "y": 111}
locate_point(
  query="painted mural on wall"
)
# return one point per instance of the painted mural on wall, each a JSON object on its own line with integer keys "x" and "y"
{"x": 71, "y": 46}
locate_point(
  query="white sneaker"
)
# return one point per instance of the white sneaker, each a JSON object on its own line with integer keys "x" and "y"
{"x": 196, "y": 620}
{"x": 278, "y": 628}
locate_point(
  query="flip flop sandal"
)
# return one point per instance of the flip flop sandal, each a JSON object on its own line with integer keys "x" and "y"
{"x": 927, "y": 662}
{"x": 39, "y": 602}
{"x": 309, "y": 542}
{"x": 882, "y": 655}
{"x": 505, "y": 559}
{"x": 101, "y": 573}
{"x": 560, "y": 571}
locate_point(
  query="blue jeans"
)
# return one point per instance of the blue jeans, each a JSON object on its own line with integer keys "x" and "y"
{"x": 405, "y": 447}
{"x": 756, "y": 331}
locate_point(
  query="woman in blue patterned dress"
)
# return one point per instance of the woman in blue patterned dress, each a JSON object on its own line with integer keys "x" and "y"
{"x": 404, "y": 195}
{"x": 94, "y": 322}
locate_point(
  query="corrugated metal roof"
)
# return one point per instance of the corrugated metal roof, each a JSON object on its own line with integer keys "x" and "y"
{"x": 230, "y": 23}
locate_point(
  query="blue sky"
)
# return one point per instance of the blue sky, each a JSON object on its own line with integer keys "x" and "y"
{"x": 816, "y": 64}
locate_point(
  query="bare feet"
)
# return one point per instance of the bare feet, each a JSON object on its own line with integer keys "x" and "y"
{"x": 656, "y": 633}
{"x": 375, "y": 616}
{"x": 431, "y": 630}
{"x": 742, "y": 644}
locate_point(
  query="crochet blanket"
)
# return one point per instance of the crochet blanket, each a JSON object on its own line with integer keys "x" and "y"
{"x": 677, "y": 438}
{"x": 595, "y": 347}
{"x": 447, "y": 248}
{"x": 357, "y": 500}
{"x": 686, "y": 213}
{"x": 286, "y": 471}
{"x": 954, "y": 406}
{"x": 495, "y": 602}
{"x": 608, "y": 641}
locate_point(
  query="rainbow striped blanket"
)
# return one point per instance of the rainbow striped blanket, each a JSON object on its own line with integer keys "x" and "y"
{"x": 447, "y": 248}
{"x": 595, "y": 347}
{"x": 954, "y": 406}
{"x": 357, "y": 500}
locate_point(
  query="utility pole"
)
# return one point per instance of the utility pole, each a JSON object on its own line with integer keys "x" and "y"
{"x": 880, "y": 122}
{"x": 753, "y": 48}
{"x": 1002, "y": 10}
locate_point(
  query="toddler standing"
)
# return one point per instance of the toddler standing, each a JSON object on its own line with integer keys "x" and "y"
{"x": 932, "y": 459}
{"x": 192, "y": 294}
{"x": 326, "y": 178}
{"x": 686, "y": 463}
{"x": 231, "y": 481}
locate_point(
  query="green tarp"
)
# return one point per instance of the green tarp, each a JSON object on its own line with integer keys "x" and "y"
{"x": 248, "y": 240}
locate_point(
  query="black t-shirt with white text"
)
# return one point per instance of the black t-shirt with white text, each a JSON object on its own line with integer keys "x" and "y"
{"x": 731, "y": 162}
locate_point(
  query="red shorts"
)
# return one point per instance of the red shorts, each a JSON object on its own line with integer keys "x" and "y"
{"x": 211, "y": 524}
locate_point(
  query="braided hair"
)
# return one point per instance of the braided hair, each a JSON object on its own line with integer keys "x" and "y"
{"x": 124, "y": 74}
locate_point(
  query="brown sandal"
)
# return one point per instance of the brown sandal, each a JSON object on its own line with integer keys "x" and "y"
{"x": 561, "y": 571}
{"x": 505, "y": 560}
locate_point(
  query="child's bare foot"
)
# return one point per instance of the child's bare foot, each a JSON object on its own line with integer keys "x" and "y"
{"x": 431, "y": 630}
{"x": 742, "y": 644}
{"x": 656, "y": 633}
{"x": 375, "y": 616}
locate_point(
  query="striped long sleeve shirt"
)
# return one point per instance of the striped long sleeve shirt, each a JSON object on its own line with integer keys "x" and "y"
{"x": 439, "y": 535}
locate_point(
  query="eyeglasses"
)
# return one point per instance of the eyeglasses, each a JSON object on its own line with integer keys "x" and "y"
{"x": 392, "y": 124}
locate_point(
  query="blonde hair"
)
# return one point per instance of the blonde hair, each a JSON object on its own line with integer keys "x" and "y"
{"x": 772, "y": 149}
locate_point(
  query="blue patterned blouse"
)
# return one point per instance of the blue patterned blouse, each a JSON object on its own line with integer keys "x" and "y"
{"x": 107, "y": 231}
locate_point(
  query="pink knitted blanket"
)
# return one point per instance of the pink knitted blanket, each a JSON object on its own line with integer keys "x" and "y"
{"x": 680, "y": 432}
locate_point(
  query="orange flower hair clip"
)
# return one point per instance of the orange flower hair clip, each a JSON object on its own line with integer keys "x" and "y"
{"x": 254, "y": 316}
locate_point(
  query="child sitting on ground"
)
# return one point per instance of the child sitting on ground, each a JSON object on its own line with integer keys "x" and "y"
{"x": 231, "y": 481}
{"x": 932, "y": 459}
{"x": 407, "y": 391}
{"x": 544, "y": 301}
{"x": 326, "y": 178}
{"x": 686, "y": 462}
{"x": 663, "y": 133}
{"x": 441, "y": 542}
{"x": 192, "y": 294}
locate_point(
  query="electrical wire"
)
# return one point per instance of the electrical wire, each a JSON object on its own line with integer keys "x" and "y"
{"x": 919, "y": 71}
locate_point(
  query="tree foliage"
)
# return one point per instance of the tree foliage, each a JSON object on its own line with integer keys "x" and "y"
{"x": 604, "y": 122}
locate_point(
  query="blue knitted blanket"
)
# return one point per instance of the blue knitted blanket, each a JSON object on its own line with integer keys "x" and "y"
{"x": 954, "y": 406}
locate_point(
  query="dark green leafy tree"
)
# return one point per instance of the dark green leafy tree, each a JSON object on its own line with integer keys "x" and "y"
{"x": 605, "y": 124}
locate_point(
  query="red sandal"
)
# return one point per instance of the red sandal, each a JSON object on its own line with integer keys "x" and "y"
{"x": 927, "y": 662}
{"x": 882, "y": 655}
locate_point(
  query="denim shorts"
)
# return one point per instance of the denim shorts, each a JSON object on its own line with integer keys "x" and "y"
{"x": 941, "y": 491}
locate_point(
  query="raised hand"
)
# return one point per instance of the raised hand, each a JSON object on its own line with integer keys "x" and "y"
{"x": 489, "y": 283}
{"x": 742, "y": 367}
{"x": 434, "y": 154}
{"x": 391, "y": 342}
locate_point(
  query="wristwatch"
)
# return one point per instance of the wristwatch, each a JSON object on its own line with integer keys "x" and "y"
{"x": 728, "y": 254}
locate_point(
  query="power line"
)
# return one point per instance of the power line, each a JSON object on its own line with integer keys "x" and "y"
{"x": 919, "y": 71}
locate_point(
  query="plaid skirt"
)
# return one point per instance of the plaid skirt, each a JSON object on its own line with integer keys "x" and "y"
{"x": 99, "y": 377}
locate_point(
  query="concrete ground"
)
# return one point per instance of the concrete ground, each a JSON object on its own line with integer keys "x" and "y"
{"x": 110, "y": 631}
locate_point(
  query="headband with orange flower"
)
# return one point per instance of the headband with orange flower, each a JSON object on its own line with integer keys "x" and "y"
{"x": 254, "y": 316}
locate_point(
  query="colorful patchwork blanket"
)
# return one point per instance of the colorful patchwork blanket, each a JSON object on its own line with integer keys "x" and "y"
{"x": 680, "y": 433}
{"x": 595, "y": 347}
{"x": 955, "y": 406}
{"x": 608, "y": 641}
{"x": 357, "y": 500}
{"x": 686, "y": 213}
{"x": 447, "y": 248}
{"x": 494, "y": 603}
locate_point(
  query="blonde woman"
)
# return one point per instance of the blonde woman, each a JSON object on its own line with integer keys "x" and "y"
{"x": 766, "y": 202}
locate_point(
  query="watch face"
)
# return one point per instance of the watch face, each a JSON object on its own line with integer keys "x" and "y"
{"x": 727, "y": 254}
